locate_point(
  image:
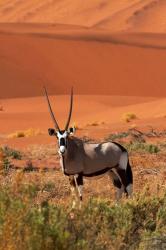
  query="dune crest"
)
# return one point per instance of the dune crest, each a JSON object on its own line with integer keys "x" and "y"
{"x": 125, "y": 64}
{"x": 121, "y": 15}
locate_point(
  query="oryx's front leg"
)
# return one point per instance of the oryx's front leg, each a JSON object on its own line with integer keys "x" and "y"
{"x": 76, "y": 183}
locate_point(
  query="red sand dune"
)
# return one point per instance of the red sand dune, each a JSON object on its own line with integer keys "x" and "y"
{"x": 24, "y": 113}
{"x": 71, "y": 42}
{"x": 121, "y": 15}
{"x": 94, "y": 62}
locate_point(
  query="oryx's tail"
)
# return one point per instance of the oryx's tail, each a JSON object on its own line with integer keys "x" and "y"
{"x": 129, "y": 173}
{"x": 129, "y": 177}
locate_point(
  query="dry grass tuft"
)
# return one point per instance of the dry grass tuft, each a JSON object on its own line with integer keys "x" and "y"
{"x": 129, "y": 116}
{"x": 95, "y": 123}
{"x": 26, "y": 133}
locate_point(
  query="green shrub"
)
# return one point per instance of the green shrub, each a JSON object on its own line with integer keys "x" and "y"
{"x": 9, "y": 152}
{"x": 115, "y": 136}
{"x": 131, "y": 224}
{"x": 5, "y": 165}
{"x": 142, "y": 147}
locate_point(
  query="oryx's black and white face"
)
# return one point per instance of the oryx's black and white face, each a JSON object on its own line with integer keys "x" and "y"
{"x": 62, "y": 141}
{"x": 62, "y": 135}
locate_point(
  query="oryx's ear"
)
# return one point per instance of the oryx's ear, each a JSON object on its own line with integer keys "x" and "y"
{"x": 51, "y": 131}
{"x": 71, "y": 130}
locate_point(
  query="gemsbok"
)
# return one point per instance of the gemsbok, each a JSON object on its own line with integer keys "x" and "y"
{"x": 79, "y": 159}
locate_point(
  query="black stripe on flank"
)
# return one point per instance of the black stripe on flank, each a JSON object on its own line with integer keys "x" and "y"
{"x": 97, "y": 173}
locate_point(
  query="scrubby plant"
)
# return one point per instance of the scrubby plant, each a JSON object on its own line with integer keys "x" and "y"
{"x": 117, "y": 135}
{"x": 96, "y": 123}
{"x": 131, "y": 224}
{"x": 4, "y": 162}
{"x": 6, "y": 155}
{"x": 129, "y": 116}
{"x": 142, "y": 147}
{"x": 6, "y": 165}
{"x": 26, "y": 133}
{"x": 12, "y": 153}
{"x": 17, "y": 134}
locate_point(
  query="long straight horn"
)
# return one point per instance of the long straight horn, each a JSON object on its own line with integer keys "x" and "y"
{"x": 50, "y": 109}
{"x": 70, "y": 111}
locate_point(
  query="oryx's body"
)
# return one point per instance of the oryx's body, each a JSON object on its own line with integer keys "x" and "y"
{"x": 79, "y": 159}
{"x": 90, "y": 159}
{"x": 94, "y": 160}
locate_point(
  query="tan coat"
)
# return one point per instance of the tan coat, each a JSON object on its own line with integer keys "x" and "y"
{"x": 90, "y": 158}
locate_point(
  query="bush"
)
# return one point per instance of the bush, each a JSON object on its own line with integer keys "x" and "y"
{"x": 127, "y": 117}
{"x": 12, "y": 153}
{"x": 27, "y": 133}
{"x": 132, "y": 224}
{"x": 142, "y": 147}
{"x": 95, "y": 123}
{"x": 6, "y": 154}
{"x": 117, "y": 135}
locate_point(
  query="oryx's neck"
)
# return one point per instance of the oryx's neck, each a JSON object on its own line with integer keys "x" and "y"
{"x": 73, "y": 157}
{"x": 74, "y": 148}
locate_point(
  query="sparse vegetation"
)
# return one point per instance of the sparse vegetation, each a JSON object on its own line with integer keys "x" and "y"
{"x": 26, "y": 224}
{"x": 5, "y": 167}
{"x": 27, "y": 133}
{"x": 6, "y": 155}
{"x": 138, "y": 143}
{"x": 142, "y": 147}
{"x": 96, "y": 123}
{"x": 42, "y": 151}
{"x": 133, "y": 135}
{"x": 35, "y": 207}
{"x": 127, "y": 117}
{"x": 12, "y": 153}
{"x": 117, "y": 135}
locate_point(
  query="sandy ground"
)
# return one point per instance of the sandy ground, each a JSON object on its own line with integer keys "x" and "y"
{"x": 95, "y": 116}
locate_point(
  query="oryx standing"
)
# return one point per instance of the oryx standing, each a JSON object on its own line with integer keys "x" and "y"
{"x": 79, "y": 159}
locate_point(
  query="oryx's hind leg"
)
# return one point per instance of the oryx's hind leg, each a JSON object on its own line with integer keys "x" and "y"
{"x": 76, "y": 184}
{"x": 125, "y": 173}
{"x": 117, "y": 184}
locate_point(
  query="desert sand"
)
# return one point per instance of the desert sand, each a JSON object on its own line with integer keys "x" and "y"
{"x": 94, "y": 116}
{"x": 121, "y": 15}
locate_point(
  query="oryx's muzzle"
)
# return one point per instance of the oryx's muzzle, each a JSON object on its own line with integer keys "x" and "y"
{"x": 62, "y": 149}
